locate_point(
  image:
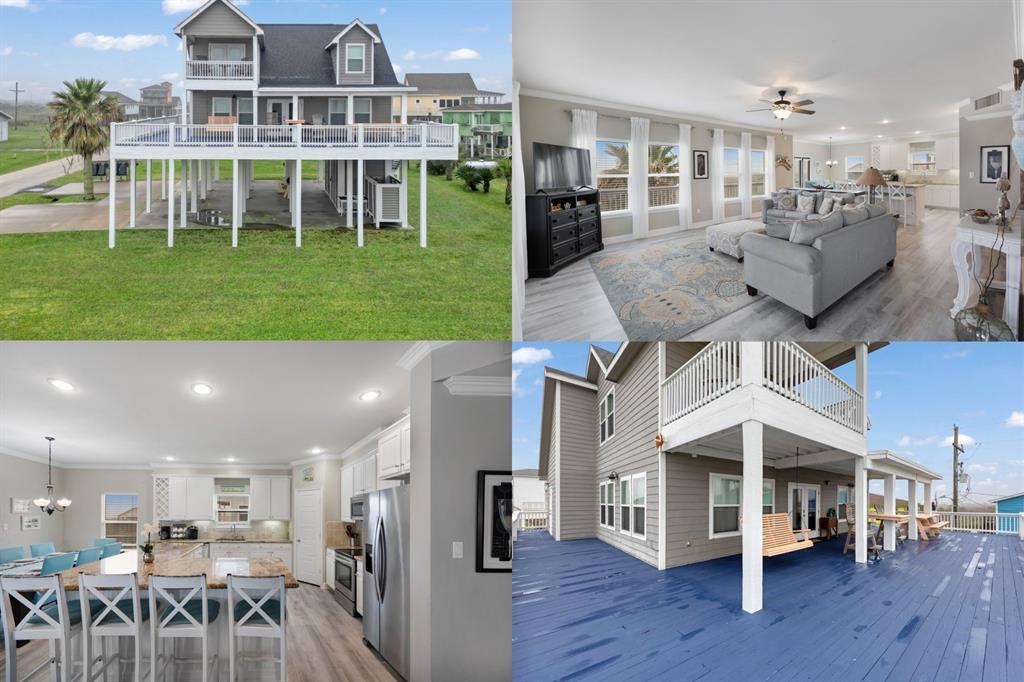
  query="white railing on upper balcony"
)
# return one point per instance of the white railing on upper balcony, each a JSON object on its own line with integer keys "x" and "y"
{"x": 708, "y": 375}
{"x": 360, "y": 135}
{"x": 792, "y": 372}
{"x": 218, "y": 70}
{"x": 983, "y": 522}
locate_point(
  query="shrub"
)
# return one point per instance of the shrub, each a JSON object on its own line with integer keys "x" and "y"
{"x": 469, "y": 175}
{"x": 437, "y": 167}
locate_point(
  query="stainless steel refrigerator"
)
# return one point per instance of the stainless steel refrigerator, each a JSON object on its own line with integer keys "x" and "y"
{"x": 386, "y": 575}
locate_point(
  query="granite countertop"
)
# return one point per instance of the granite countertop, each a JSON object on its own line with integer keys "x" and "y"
{"x": 201, "y": 541}
{"x": 215, "y": 570}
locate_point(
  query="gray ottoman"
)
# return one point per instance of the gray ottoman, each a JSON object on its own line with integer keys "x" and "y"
{"x": 725, "y": 237}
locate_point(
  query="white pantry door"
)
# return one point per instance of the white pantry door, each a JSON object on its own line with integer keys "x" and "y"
{"x": 308, "y": 524}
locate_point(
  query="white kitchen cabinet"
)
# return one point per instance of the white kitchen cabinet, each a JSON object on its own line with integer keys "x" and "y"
{"x": 393, "y": 449}
{"x": 899, "y": 156}
{"x": 357, "y": 478}
{"x": 944, "y": 153}
{"x": 199, "y": 498}
{"x": 270, "y": 498}
{"x": 369, "y": 478}
{"x": 280, "y": 498}
{"x": 259, "y": 498}
{"x": 272, "y": 550}
{"x": 348, "y": 490}
{"x": 329, "y": 569}
{"x": 177, "y": 498}
{"x": 406, "y": 446}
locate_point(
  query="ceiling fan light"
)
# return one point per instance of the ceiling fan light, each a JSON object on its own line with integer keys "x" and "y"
{"x": 781, "y": 113}
{"x": 40, "y": 502}
{"x": 63, "y": 502}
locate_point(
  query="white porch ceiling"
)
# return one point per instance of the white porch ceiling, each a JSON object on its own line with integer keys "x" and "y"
{"x": 133, "y": 404}
{"x": 861, "y": 63}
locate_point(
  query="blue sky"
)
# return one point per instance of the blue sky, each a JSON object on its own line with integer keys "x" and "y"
{"x": 917, "y": 391}
{"x": 43, "y": 42}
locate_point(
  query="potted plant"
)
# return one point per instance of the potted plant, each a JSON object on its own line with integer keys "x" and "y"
{"x": 147, "y": 547}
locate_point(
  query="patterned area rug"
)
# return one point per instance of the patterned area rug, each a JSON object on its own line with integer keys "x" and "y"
{"x": 663, "y": 290}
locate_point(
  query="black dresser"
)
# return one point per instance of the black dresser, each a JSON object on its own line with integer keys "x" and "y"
{"x": 561, "y": 227}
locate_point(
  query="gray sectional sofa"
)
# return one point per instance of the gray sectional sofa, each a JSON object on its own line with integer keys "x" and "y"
{"x": 817, "y": 261}
{"x": 773, "y": 214}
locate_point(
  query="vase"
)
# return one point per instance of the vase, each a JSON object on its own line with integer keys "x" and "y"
{"x": 978, "y": 323}
{"x": 147, "y": 557}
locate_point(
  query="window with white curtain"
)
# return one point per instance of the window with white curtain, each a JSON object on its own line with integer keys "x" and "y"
{"x": 757, "y": 167}
{"x": 624, "y": 497}
{"x": 613, "y": 174}
{"x": 663, "y": 175}
{"x": 221, "y": 106}
{"x": 245, "y": 113}
{"x": 731, "y": 173}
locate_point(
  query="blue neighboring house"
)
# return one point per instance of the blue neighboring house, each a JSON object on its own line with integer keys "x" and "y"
{"x": 1011, "y": 504}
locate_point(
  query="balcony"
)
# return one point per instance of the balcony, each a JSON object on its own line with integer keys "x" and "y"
{"x": 163, "y": 140}
{"x": 218, "y": 70}
{"x": 488, "y": 128}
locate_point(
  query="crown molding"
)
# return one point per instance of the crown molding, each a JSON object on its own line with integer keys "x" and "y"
{"x": 233, "y": 466}
{"x": 419, "y": 350}
{"x": 38, "y": 459}
{"x": 359, "y": 447}
{"x": 323, "y": 457}
{"x": 500, "y": 387}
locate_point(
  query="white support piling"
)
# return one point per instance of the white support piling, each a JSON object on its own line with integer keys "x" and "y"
{"x": 348, "y": 194}
{"x": 170, "y": 203}
{"x": 912, "y": 509}
{"x": 131, "y": 193}
{"x": 423, "y": 203}
{"x": 889, "y": 539}
{"x": 163, "y": 179}
{"x": 751, "y": 505}
{"x": 193, "y": 177}
{"x": 184, "y": 195}
{"x": 359, "y": 202}
{"x": 860, "y": 501}
{"x": 236, "y": 203}
{"x": 112, "y": 198}
{"x": 297, "y": 189}
{"x": 149, "y": 185}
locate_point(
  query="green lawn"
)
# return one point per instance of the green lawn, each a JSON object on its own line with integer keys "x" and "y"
{"x": 69, "y": 285}
{"x": 37, "y": 198}
{"x": 262, "y": 170}
{"x": 27, "y": 145}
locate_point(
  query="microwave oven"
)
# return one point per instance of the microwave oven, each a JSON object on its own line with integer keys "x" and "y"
{"x": 356, "y": 510}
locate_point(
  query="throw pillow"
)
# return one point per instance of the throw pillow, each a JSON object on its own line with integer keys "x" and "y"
{"x": 805, "y": 203}
{"x": 854, "y": 214}
{"x": 826, "y": 206}
{"x": 778, "y": 230}
{"x": 786, "y": 201}
{"x": 875, "y": 210}
{"x": 806, "y": 231}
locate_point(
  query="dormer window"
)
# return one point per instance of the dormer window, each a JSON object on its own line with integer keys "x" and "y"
{"x": 355, "y": 58}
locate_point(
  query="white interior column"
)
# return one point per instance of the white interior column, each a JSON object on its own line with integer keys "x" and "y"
{"x": 751, "y": 508}
{"x": 131, "y": 193}
{"x": 170, "y": 203}
{"x": 889, "y": 540}
{"x": 297, "y": 188}
{"x": 149, "y": 185}
{"x": 927, "y": 497}
{"x": 112, "y": 198}
{"x": 184, "y": 194}
{"x": 912, "y": 507}
{"x": 359, "y": 202}
{"x": 163, "y": 179}
{"x": 349, "y": 200}
{"x": 236, "y": 202}
{"x": 423, "y": 203}
{"x": 860, "y": 502}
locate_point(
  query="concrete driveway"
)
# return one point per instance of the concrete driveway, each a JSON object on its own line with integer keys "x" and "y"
{"x": 14, "y": 182}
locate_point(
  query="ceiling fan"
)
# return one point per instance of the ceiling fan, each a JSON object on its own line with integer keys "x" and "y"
{"x": 782, "y": 107}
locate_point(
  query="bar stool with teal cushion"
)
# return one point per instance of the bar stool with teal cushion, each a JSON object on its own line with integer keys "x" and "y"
{"x": 49, "y": 616}
{"x": 111, "y": 550}
{"x": 9, "y": 554}
{"x": 89, "y": 555}
{"x": 58, "y": 563}
{"x": 100, "y": 542}
{"x": 256, "y": 608}
{"x": 41, "y": 549}
{"x": 179, "y": 608}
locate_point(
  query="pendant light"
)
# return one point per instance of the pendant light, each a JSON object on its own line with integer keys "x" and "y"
{"x": 47, "y": 504}
{"x": 830, "y": 162}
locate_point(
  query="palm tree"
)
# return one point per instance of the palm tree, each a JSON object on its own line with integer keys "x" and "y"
{"x": 663, "y": 159}
{"x": 80, "y": 121}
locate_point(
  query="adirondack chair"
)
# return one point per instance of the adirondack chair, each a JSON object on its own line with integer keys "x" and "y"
{"x": 851, "y": 525}
{"x": 779, "y": 537}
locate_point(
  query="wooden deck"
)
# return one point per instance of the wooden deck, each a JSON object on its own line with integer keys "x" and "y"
{"x": 950, "y": 609}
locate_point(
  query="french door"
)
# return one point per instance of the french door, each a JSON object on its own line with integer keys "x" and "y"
{"x": 804, "y": 508}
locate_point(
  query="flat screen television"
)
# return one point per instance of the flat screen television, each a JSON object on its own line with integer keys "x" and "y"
{"x": 558, "y": 167}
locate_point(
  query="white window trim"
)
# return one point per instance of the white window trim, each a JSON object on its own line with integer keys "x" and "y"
{"x": 764, "y": 172}
{"x": 601, "y": 420}
{"x": 226, "y": 46}
{"x": 103, "y": 514}
{"x": 344, "y": 109}
{"x": 712, "y": 535}
{"x": 841, "y": 518}
{"x": 628, "y": 503}
{"x": 362, "y": 48}
{"x": 846, "y": 163}
{"x": 252, "y": 108}
{"x": 601, "y": 496}
{"x": 357, "y": 99}
{"x": 662, "y": 207}
{"x": 629, "y": 204}
{"x": 213, "y": 106}
{"x": 632, "y": 507}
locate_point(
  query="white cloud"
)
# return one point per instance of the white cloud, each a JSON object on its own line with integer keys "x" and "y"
{"x": 878, "y": 394}
{"x": 396, "y": 67}
{"x": 462, "y": 54}
{"x": 983, "y": 468}
{"x": 21, "y": 4}
{"x": 956, "y": 354}
{"x": 176, "y": 6}
{"x": 515, "y": 378}
{"x": 125, "y": 43}
{"x": 382, "y": 11}
{"x": 6, "y": 51}
{"x": 528, "y": 355}
{"x": 413, "y": 55}
{"x": 1015, "y": 420}
{"x": 965, "y": 440}
{"x": 168, "y": 76}
{"x": 911, "y": 440}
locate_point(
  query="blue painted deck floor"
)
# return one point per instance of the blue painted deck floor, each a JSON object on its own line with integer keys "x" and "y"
{"x": 950, "y": 609}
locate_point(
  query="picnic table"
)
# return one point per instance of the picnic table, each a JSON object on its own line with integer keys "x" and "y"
{"x": 898, "y": 519}
{"x": 928, "y": 527}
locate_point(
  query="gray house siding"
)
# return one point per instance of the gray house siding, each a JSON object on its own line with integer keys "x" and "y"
{"x": 202, "y": 102}
{"x": 218, "y": 20}
{"x": 573, "y": 435}
{"x": 355, "y": 36}
{"x": 553, "y": 466}
{"x": 688, "y": 491}
{"x": 313, "y": 109}
{"x": 631, "y": 449}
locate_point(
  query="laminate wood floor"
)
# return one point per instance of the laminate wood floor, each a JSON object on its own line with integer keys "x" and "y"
{"x": 324, "y": 644}
{"x": 911, "y": 301}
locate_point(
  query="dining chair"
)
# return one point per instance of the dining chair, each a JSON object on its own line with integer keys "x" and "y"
{"x": 9, "y": 554}
{"x": 88, "y": 555}
{"x": 57, "y": 563}
{"x": 112, "y": 549}
{"x": 111, "y": 607}
{"x": 100, "y": 542}
{"x": 256, "y": 608}
{"x": 179, "y": 608}
{"x": 48, "y": 616}
{"x": 41, "y": 549}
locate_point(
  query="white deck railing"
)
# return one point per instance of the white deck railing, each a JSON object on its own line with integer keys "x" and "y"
{"x": 794, "y": 373}
{"x": 533, "y": 520}
{"x": 218, "y": 70}
{"x": 707, "y": 376}
{"x": 360, "y": 135}
{"x": 983, "y": 522}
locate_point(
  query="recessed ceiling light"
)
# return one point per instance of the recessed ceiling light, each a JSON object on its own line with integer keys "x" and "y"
{"x": 317, "y": 451}
{"x": 61, "y": 384}
{"x": 202, "y": 389}
{"x": 917, "y": 132}
{"x": 879, "y": 137}
{"x": 169, "y": 458}
{"x": 885, "y": 121}
{"x": 231, "y": 459}
{"x": 842, "y": 127}
{"x": 369, "y": 395}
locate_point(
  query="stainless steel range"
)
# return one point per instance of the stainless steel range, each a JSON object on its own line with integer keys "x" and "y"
{"x": 345, "y": 583}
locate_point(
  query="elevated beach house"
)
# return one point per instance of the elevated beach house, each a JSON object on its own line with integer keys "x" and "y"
{"x": 291, "y": 93}
{"x": 673, "y": 452}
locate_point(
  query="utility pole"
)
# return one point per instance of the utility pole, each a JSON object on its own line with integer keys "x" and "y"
{"x": 957, "y": 451}
{"x": 16, "y": 90}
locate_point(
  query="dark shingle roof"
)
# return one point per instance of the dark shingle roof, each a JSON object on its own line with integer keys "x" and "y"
{"x": 294, "y": 54}
{"x": 122, "y": 99}
{"x": 445, "y": 83}
{"x": 504, "y": 106}
{"x": 605, "y": 355}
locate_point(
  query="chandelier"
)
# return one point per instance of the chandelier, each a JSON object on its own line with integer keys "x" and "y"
{"x": 47, "y": 504}
{"x": 830, "y": 162}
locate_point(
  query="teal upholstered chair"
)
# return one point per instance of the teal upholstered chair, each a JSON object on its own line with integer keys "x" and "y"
{"x": 100, "y": 542}
{"x": 58, "y": 563}
{"x": 110, "y": 550}
{"x": 89, "y": 555}
{"x": 9, "y": 554}
{"x": 41, "y": 549}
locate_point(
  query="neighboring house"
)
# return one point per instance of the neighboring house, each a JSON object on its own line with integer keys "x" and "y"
{"x": 484, "y": 129}
{"x": 158, "y": 101}
{"x": 436, "y": 92}
{"x": 289, "y": 92}
{"x": 528, "y": 490}
{"x": 4, "y": 119}
{"x": 129, "y": 107}
{"x": 662, "y": 448}
{"x": 1011, "y": 504}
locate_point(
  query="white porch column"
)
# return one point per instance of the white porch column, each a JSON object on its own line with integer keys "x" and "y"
{"x": 297, "y": 188}
{"x": 216, "y": 169}
{"x": 405, "y": 193}
{"x": 753, "y": 540}
{"x": 405, "y": 109}
{"x": 423, "y": 203}
{"x": 860, "y": 501}
{"x": 170, "y": 203}
{"x": 193, "y": 178}
{"x": 889, "y": 541}
{"x": 912, "y": 505}
{"x": 236, "y": 202}
{"x": 163, "y": 179}
{"x": 204, "y": 169}
{"x": 149, "y": 185}
{"x": 350, "y": 114}
{"x": 184, "y": 194}
{"x": 359, "y": 202}
{"x": 927, "y": 497}
{"x": 112, "y": 198}
{"x": 861, "y": 355}
{"x": 348, "y": 194}
{"x": 295, "y": 106}
{"x": 131, "y": 193}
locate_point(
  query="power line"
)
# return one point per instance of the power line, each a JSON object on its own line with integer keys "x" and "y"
{"x": 16, "y": 90}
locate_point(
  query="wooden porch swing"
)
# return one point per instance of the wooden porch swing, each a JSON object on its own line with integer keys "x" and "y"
{"x": 779, "y": 538}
